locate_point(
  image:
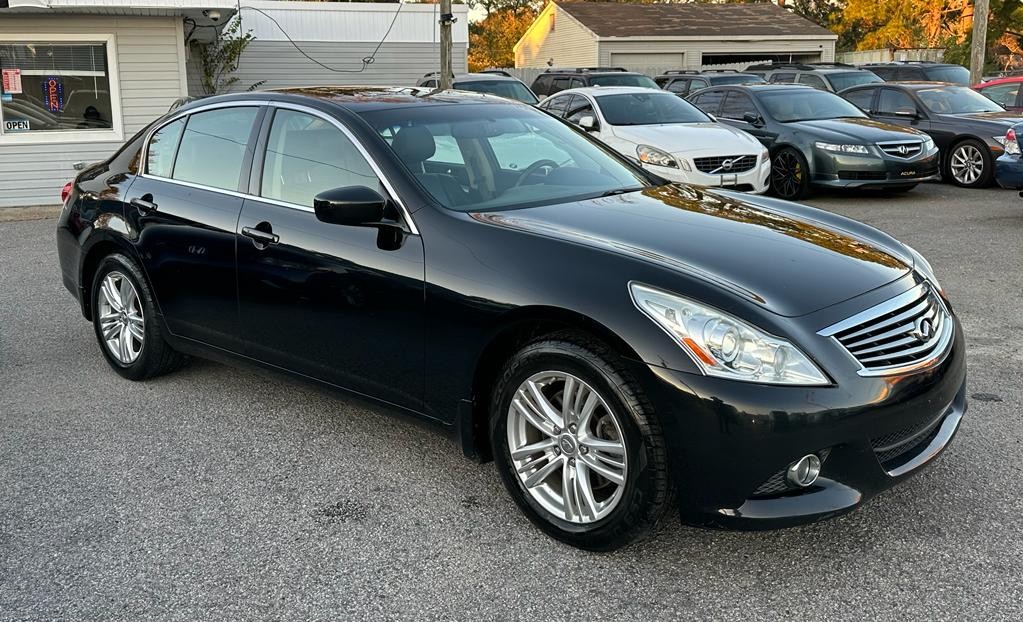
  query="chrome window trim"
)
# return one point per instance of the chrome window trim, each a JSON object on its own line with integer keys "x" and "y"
{"x": 941, "y": 350}
{"x": 406, "y": 215}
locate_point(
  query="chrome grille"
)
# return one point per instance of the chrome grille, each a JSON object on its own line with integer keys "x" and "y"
{"x": 716, "y": 165}
{"x": 911, "y": 330}
{"x": 904, "y": 150}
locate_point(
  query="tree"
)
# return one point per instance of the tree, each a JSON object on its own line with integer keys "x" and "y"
{"x": 219, "y": 58}
{"x": 492, "y": 39}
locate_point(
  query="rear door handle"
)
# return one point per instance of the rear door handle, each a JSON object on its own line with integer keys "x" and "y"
{"x": 261, "y": 237}
{"x": 144, "y": 203}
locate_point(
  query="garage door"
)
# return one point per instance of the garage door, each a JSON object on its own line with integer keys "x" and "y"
{"x": 642, "y": 61}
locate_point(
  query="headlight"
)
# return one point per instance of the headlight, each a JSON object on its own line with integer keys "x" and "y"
{"x": 765, "y": 155}
{"x": 862, "y": 149}
{"x": 650, "y": 155}
{"x": 928, "y": 144}
{"x": 923, "y": 266}
{"x": 723, "y": 345}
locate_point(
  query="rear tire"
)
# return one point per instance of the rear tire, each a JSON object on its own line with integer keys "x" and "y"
{"x": 970, "y": 164}
{"x": 598, "y": 513}
{"x": 126, "y": 321}
{"x": 790, "y": 174}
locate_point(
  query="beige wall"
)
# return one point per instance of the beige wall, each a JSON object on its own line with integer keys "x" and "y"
{"x": 569, "y": 44}
{"x": 150, "y": 54}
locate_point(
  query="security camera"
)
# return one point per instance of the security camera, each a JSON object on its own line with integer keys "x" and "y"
{"x": 213, "y": 15}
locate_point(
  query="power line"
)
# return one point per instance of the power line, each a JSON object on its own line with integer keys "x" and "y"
{"x": 366, "y": 61}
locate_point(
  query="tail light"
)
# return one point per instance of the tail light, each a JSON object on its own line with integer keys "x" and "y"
{"x": 1011, "y": 146}
{"x": 65, "y": 192}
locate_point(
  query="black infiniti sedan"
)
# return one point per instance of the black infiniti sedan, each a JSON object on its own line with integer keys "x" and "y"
{"x": 968, "y": 128}
{"x": 622, "y": 347}
{"x": 817, "y": 139}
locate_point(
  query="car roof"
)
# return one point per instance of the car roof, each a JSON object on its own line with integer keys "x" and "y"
{"x": 821, "y": 68}
{"x": 910, "y": 85}
{"x": 579, "y": 74}
{"x": 609, "y": 90}
{"x": 908, "y": 64}
{"x": 360, "y": 98}
{"x": 481, "y": 76}
{"x": 758, "y": 88}
{"x": 1002, "y": 80}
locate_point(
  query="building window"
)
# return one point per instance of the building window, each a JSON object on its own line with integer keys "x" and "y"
{"x": 58, "y": 90}
{"x": 552, "y": 21}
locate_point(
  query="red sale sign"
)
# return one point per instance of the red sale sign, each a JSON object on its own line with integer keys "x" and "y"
{"x": 11, "y": 81}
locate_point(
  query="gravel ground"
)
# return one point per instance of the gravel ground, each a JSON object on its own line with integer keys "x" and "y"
{"x": 218, "y": 493}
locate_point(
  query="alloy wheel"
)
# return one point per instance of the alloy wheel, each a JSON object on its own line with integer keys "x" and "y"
{"x": 121, "y": 319}
{"x": 567, "y": 447}
{"x": 967, "y": 164}
{"x": 786, "y": 174}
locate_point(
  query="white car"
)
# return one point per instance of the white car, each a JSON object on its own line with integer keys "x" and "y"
{"x": 668, "y": 135}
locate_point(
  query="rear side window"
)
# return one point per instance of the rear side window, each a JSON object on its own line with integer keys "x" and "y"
{"x": 782, "y": 77}
{"x": 213, "y": 147}
{"x": 709, "y": 102}
{"x": 162, "y": 147}
{"x": 1004, "y": 94}
{"x": 541, "y": 86}
{"x": 306, "y": 155}
{"x": 696, "y": 85}
{"x": 560, "y": 84}
{"x": 679, "y": 87}
{"x": 811, "y": 80}
{"x": 908, "y": 73}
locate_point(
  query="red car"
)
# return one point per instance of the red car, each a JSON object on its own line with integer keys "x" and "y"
{"x": 1003, "y": 91}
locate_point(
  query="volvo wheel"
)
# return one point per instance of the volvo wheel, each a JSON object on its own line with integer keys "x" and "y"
{"x": 126, "y": 324}
{"x": 970, "y": 164}
{"x": 577, "y": 445}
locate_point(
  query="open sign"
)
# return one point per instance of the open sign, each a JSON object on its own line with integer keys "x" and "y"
{"x": 17, "y": 125}
{"x": 53, "y": 93}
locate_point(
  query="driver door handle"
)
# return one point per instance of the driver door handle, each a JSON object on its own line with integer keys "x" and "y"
{"x": 144, "y": 203}
{"x": 261, "y": 237}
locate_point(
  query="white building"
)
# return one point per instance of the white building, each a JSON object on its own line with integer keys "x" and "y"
{"x": 82, "y": 76}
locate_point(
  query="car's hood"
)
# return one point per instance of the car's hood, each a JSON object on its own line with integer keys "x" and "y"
{"x": 857, "y": 131}
{"x": 691, "y": 138}
{"x": 1003, "y": 119}
{"x": 789, "y": 258}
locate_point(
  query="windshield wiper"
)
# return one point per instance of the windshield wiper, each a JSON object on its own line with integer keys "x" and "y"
{"x": 616, "y": 192}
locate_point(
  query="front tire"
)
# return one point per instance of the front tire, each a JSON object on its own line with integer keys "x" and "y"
{"x": 790, "y": 174}
{"x": 125, "y": 320}
{"x": 577, "y": 444}
{"x": 970, "y": 164}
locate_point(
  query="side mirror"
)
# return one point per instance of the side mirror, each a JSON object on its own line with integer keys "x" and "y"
{"x": 752, "y": 118}
{"x": 588, "y": 123}
{"x": 351, "y": 205}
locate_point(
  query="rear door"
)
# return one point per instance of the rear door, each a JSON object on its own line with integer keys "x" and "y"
{"x": 185, "y": 209}
{"x": 340, "y": 304}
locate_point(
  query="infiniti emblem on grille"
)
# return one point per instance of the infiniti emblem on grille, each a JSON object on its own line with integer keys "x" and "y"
{"x": 923, "y": 329}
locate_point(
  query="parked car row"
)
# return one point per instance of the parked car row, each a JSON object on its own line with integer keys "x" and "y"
{"x": 787, "y": 127}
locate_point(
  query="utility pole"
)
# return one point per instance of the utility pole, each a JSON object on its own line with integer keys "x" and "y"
{"x": 446, "y": 19}
{"x": 978, "y": 46}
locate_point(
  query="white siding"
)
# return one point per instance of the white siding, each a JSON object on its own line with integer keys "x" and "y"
{"x": 693, "y": 51}
{"x": 149, "y": 57}
{"x": 569, "y": 44}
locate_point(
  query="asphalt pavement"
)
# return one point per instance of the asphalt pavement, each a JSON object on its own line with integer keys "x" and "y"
{"x": 228, "y": 494}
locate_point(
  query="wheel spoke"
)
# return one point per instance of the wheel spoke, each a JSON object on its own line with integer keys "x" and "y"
{"x": 127, "y": 293}
{"x": 605, "y": 471}
{"x": 136, "y": 331}
{"x": 544, "y": 406}
{"x": 113, "y": 331}
{"x": 528, "y": 450}
{"x": 587, "y": 410}
{"x": 124, "y": 345}
{"x": 524, "y": 406}
{"x": 111, "y": 295}
{"x": 569, "y": 493}
{"x": 599, "y": 444}
{"x": 541, "y": 474}
{"x": 585, "y": 488}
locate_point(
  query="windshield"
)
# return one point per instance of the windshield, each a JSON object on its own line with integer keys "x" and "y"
{"x": 843, "y": 80}
{"x": 649, "y": 109}
{"x": 480, "y": 157}
{"x": 509, "y": 89}
{"x": 953, "y": 73}
{"x": 627, "y": 79}
{"x": 738, "y": 78}
{"x": 807, "y": 105}
{"x": 956, "y": 100}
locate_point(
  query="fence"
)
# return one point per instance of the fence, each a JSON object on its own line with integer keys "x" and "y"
{"x": 888, "y": 55}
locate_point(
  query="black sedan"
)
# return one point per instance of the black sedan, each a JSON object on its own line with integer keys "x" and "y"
{"x": 621, "y": 346}
{"x": 968, "y": 128}
{"x": 817, "y": 139}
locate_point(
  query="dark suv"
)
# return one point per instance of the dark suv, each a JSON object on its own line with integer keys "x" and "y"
{"x": 491, "y": 82}
{"x": 920, "y": 71}
{"x": 818, "y": 139}
{"x": 554, "y": 81}
{"x": 824, "y": 76}
{"x": 684, "y": 82}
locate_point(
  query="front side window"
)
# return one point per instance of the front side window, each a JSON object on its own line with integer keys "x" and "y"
{"x": 558, "y": 105}
{"x": 956, "y": 100}
{"x": 213, "y": 147}
{"x": 560, "y": 84}
{"x": 648, "y": 108}
{"x": 679, "y": 87}
{"x": 782, "y": 77}
{"x": 736, "y": 106}
{"x": 894, "y": 102}
{"x": 1003, "y": 94}
{"x": 306, "y": 155}
{"x": 55, "y": 87}
{"x": 581, "y": 107}
{"x": 709, "y": 102}
{"x": 811, "y": 80}
{"x": 862, "y": 98}
{"x": 514, "y": 156}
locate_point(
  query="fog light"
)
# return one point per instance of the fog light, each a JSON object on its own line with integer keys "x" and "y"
{"x": 804, "y": 471}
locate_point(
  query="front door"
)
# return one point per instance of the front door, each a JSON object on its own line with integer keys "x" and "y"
{"x": 185, "y": 210}
{"x": 340, "y": 304}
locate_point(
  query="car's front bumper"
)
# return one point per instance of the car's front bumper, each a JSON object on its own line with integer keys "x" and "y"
{"x": 834, "y": 170}
{"x": 729, "y": 440}
{"x": 755, "y": 180}
{"x": 1009, "y": 172}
